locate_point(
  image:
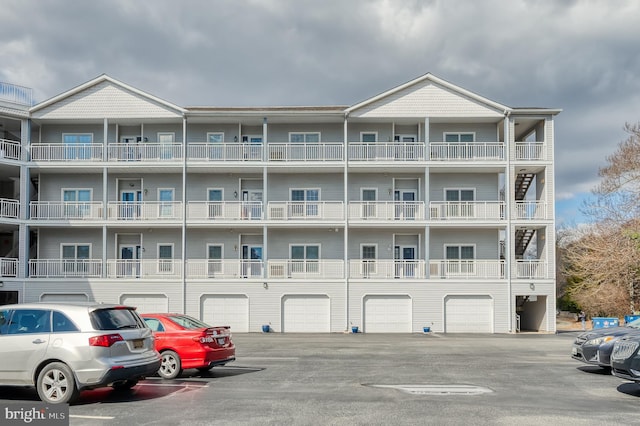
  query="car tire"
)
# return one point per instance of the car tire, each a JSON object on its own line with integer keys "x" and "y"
{"x": 171, "y": 366}
{"x": 124, "y": 385}
{"x": 56, "y": 384}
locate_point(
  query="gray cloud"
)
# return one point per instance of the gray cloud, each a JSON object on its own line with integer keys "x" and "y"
{"x": 581, "y": 56}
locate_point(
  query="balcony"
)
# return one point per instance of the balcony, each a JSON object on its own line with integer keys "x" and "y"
{"x": 65, "y": 210}
{"x": 305, "y": 152}
{"x": 224, "y": 210}
{"x": 220, "y": 152}
{"x": 466, "y": 151}
{"x": 8, "y": 267}
{"x": 16, "y": 94}
{"x": 10, "y": 150}
{"x": 532, "y": 269}
{"x": 115, "y": 268}
{"x": 144, "y": 152}
{"x": 144, "y": 268}
{"x": 65, "y": 268}
{"x": 305, "y": 269}
{"x": 467, "y": 210}
{"x": 224, "y": 268}
{"x": 395, "y": 152}
{"x": 466, "y": 269}
{"x": 305, "y": 210}
{"x": 531, "y": 210}
{"x": 384, "y": 269}
{"x": 9, "y": 209}
{"x": 144, "y": 210}
{"x": 386, "y": 210}
{"x": 530, "y": 151}
{"x": 52, "y": 152}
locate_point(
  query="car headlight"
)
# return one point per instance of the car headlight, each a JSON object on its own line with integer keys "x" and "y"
{"x": 600, "y": 340}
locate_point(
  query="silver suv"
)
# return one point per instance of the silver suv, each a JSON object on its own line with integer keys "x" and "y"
{"x": 63, "y": 348}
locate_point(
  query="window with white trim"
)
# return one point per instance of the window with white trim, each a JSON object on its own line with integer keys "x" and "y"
{"x": 368, "y": 137}
{"x": 214, "y": 259}
{"x": 165, "y": 199}
{"x": 75, "y": 258}
{"x": 304, "y": 137}
{"x": 460, "y": 202}
{"x": 460, "y": 259}
{"x": 305, "y": 258}
{"x": 215, "y": 137}
{"x": 77, "y": 146}
{"x": 304, "y": 202}
{"x": 165, "y": 258}
{"x": 459, "y": 137}
{"x": 368, "y": 254}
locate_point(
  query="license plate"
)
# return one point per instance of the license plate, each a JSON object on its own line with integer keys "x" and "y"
{"x": 574, "y": 351}
{"x": 221, "y": 341}
{"x": 138, "y": 344}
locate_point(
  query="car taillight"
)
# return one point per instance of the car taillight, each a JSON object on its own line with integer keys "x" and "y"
{"x": 106, "y": 340}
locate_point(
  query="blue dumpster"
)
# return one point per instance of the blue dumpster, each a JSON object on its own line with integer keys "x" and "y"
{"x": 629, "y": 318}
{"x": 602, "y": 322}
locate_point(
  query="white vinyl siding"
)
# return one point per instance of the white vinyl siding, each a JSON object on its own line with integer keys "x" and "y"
{"x": 468, "y": 314}
{"x": 306, "y": 314}
{"x": 146, "y": 303}
{"x": 387, "y": 314}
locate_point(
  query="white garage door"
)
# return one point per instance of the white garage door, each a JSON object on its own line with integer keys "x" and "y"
{"x": 387, "y": 314}
{"x": 231, "y": 310}
{"x": 63, "y": 297}
{"x": 146, "y": 303}
{"x": 306, "y": 314}
{"x": 468, "y": 314}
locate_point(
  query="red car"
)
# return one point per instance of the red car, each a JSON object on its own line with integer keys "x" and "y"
{"x": 185, "y": 342}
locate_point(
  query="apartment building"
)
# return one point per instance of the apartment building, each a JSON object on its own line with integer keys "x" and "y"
{"x": 424, "y": 206}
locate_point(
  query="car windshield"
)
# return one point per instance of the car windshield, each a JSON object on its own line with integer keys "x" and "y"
{"x": 634, "y": 324}
{"x": 188, "y": 322}
{"x": 115, "y": 319}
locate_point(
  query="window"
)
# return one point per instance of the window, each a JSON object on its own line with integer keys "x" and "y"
{"x": 304, "y": 137}
{"x": 304, "y": 202}
{"x": 30, "y": 321}
{"x": 369, "y": 256}
{"x": 215, "y": 137}
{"x": 165, "y": 206}
{"x": 459, "y": 137}
{"x": 62, "y": 324}
{"x": 5, "y": 318}
{"x": 369, "y": 207}
{"x": 166, "y": 141}
{"x": 460, "y": 259}
{"x": 368, "y": 137}
{"x": 76, "y": 251}
{"x": 77, "y": 146}
{"x": 460, "y": 202}
{"x": 165, "y": 258}
{"x": 305, "y": 258}
{"x": 76, "y": 203}
{"x": 215, "y": 205}
{"x": 154, "y": 324}
{"x": 214, "y": 259}
{"x": 216, "y": 150}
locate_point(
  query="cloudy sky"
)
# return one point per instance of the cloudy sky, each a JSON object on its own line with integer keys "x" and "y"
{"x": 581, "y": 56}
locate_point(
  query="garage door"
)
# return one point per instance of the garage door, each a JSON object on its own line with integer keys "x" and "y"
{"x": 63, "y": 297}
{"x": 146, "y": 303}
{"x": 306, "y": 314}
{"x": 231, "y": 310}
{"x": 468, "y": 314}
{"x": 387, "y": 314}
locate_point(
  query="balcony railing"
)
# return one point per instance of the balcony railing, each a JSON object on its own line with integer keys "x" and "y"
{"x": 531, "y": 210}
{"x": 530, "y": 151}
{"x": 386, "y": 210}
{"x": 532, "y": 269}
{"x": 305, "y": 269}
{"x": 65, "y": 268}
{"x": 383, "y": 269}
{"x": 466, "y": 269}
{"x": 305, "y": 210}
{"x": 10, "y": 149}
{"x": 16, "y": 94}
{"x": 467, "y": 210}
{"x": 146, "y": 268}
{"x": 398, "y": 151}
{"x": 305, "y": 152}
{"x": 224, "y": 210}
{"x": 225, "y": 268}
{"x": 214, "y": 152}
{"x": 89, "y": 152}
{"x": 144, "y": 151}
{"x": 65, "y": 210}
{"x": 9, "y": 209}
{"x": 466, "y": 151}
{"x": 145, "y": 210}
{"x": 8, "y": 267}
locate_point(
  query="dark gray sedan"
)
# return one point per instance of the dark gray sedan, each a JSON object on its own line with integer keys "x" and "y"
{"x": 594, "y": 347}
{"x": 625, "y": 358}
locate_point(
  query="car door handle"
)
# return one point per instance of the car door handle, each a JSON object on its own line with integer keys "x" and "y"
{"x": 38, "y": 341}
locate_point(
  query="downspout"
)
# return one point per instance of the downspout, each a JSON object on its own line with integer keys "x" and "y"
{"x": 265, "y": 195}
{"x": 184, "y": 214}
{"x": 345, "y": 257}
{"x": 507, "y": 235}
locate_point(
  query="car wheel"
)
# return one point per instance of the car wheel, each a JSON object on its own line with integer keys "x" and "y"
{"x": 56, "y": 384}
{"x": 171, "y": 366}
{"x": 124, "y": 385}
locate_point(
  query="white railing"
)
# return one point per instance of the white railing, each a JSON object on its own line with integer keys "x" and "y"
{"x": 531, "y": 210}
{"x": 202, "y": 151}
{"x": 466, "y": 151}
{"x": 224, "y": 268}
{"x": 145, "y": 210}
{"x": 8, "y": 267}
{"x": 467, "y": 210}
{"x": 305, "y": 269}
{"x": 466, "y": 269}
{"x": 398, "y": 151}
{"x": 144, "y": 151}
{"x": 530, "y": 151}
{"x": 308, "y": 210}
{"x": 16, "y": 94}
{"x": 10, "y": 149}
{"x": 532, "y": 269}
{"x": 9, "y": 209}
{"x": 386, "y": 210}
{"x": 65, "y": 268}
{"x": 65, "y": 210}
{"x": 144, "y": 268}
{"x": 406, "y": 269}
{"x": 90, "y": 152}
{"x": 305, "y": 152}
{"x": 224, "y": 210}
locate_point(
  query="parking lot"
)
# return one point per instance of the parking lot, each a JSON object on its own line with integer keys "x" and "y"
{"x": 347, "y": 379}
